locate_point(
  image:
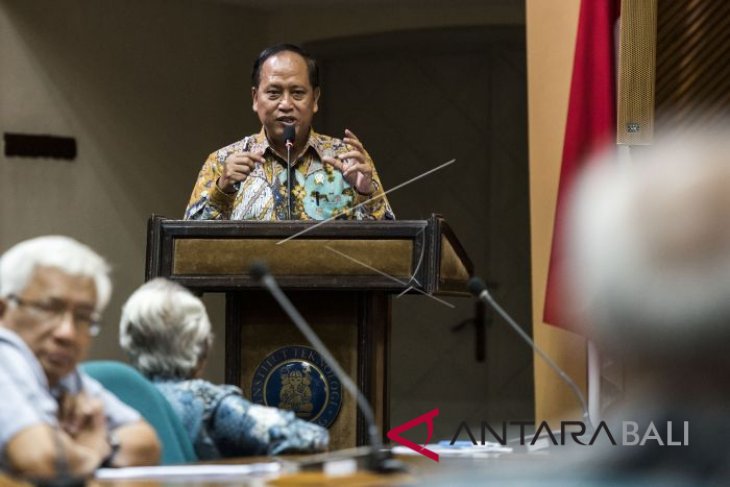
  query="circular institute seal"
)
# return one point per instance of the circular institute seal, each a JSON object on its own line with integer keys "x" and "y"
{"x": 298, "y": 379}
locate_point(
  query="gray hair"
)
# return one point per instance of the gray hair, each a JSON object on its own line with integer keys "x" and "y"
{"x": 650, "y": 247}
{"x": 74, "y": 258}
{"x": 165, "y": 330}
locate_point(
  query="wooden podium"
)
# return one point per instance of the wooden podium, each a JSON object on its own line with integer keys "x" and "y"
{"x": 339, "y": 275}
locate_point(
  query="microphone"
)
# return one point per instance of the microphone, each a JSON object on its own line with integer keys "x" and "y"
{"x": 477, "y": 288}
{"x": 379, "y": 460}
{"x": 289, "y": 136}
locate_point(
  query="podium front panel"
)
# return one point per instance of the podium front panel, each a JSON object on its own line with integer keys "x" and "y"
{"x": 311, "y": 257}
{"x": 353, "y": 327}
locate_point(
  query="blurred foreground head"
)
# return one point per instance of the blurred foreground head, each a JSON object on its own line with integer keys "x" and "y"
{"x": 649, "y": 248}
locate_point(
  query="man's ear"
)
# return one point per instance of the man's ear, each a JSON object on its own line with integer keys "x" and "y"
{"x": 316, "y": 99}
{"x": 254, "y": 103}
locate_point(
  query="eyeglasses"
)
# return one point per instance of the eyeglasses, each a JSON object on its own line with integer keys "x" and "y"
{"x": 86, "y": 321}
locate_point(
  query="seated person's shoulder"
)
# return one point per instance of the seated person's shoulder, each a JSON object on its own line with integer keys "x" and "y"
{"x": 189, "y": 392}
{"x": 14, "y": 363}
{"x": 210, "y": 391}
{"x": 22, "y": 386}
{"x": 27, "y": 411}
{"x": 22, "y": 404}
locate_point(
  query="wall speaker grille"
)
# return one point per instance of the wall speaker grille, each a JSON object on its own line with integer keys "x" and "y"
{"x": 636, "y": 69}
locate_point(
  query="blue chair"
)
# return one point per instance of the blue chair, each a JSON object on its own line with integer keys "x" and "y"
{"x": 139, "y": 393}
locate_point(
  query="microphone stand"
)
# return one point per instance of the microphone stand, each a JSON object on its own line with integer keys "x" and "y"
{"x": 479, "y": 289}
{"x": 379, "y": 460}
{"x": 288, "y": 179}
{"x": 289, "y": 137}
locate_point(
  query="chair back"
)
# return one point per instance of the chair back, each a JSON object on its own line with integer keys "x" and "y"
{"x": 136, "y": 391}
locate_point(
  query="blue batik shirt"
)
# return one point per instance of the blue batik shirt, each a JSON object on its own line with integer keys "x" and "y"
{"x": 222, "y": 423}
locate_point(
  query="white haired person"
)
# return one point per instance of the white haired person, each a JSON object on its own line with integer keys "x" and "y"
{"x": 166, "y": 333}
{"x": 55, "y": 420}
{"x": 650, "y": 269}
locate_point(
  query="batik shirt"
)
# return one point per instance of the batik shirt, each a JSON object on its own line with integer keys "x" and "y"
{"x": 221, "y": 423}
{"x": 319, "y": 191}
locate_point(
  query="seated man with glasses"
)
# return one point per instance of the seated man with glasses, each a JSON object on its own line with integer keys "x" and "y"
{"x": 54, "y": 420}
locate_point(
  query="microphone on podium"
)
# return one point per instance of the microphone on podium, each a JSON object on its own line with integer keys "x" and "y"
{"x": 479, "y": 290}
{"x": 289, "y": 136}
{"x": 379, "y": 459}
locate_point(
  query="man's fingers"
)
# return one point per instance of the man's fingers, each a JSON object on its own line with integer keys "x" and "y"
{"x": 92, "y": 412}
{"x": 336, "y": 163}
{"x": 259, "y": 156}
{"x": 365, "y": 169}
{"x": 96, "y": 412}
{"x": 234, "y": 169}
{"x": 248, "y": 158}
{"x": 353, "y": 140}
{"x": 66, "y": 404}
{"x": 358, "y": 156}
{"x": 70, "y": 414}
{"x": 255, "y": 157}
{"x": 243, "y": 161}
{"x": 78, "y": 411}
{"x": 237, "y": 168}
{"x": 354, "y": 161}
{"x": 89, "y": 407}
{"x": 354, "y": 143}
{"x": 349, "y": 134}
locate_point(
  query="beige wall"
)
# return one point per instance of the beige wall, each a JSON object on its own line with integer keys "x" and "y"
{"x": 551, "y": 30}
{"x": 147, "y": 88}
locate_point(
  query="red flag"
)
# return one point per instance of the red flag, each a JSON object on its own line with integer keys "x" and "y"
{"x": 591, "y": 125}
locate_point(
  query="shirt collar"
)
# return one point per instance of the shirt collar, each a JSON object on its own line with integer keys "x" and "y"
{"x": 261, "y": 143}
{"x": 71, "y": 383}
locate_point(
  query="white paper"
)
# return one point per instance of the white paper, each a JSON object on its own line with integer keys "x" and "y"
{"x": 188, "y": 471}
{"x": 459, "y": 449}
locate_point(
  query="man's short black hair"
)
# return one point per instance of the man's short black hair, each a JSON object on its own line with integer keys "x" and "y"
{"x": 312, "y": 66}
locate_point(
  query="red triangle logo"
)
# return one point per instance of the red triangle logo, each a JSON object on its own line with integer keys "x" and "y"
{"x": 394, "y": 434}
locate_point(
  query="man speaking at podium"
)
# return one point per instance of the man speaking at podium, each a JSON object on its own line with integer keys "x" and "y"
{"x": 327, "y": 177}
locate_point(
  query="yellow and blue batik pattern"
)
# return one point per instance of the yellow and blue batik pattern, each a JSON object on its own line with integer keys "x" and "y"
{"x": 318, "y": 190}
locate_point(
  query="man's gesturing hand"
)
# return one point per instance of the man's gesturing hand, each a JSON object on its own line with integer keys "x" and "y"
{"x": 354, "y": 165}
{"x": 238, "y": 165}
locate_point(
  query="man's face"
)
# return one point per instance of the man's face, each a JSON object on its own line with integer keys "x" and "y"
{"x": 284, "y": 96}
{"x": 59, "y": 344}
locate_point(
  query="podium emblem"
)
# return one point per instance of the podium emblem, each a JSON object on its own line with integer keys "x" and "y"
{"x": 298, "y": 379}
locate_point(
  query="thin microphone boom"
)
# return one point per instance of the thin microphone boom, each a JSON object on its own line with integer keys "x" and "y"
{"x": 289, "y": 136}
{"x": 380, "y": 463}
{"x": 477, "y": 287}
